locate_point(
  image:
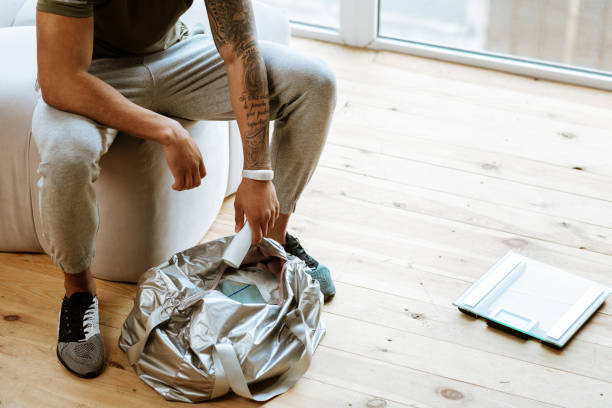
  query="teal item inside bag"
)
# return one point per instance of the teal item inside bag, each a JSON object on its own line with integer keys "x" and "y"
{"x": 241, "y": 292}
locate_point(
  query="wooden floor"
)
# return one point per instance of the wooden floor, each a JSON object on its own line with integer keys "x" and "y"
{"x": 432, "y": 172}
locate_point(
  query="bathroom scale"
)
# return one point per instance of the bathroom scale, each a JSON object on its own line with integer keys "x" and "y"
{"x": 529, "y": 298}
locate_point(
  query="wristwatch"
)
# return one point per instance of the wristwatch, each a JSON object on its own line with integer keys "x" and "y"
{"x": 261, "y": 175}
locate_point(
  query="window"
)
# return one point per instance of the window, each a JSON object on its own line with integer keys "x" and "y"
{"x": 568, "y": 32}
{"x": 321, "y": 13}
{"x": 563, "y": 40}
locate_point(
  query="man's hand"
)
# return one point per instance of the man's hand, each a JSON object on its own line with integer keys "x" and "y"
{"x": 257, "y": 200}
{"x": 64, "y": 49}
{"x": 232, "y": 25}
{"x": 183, "y": 157}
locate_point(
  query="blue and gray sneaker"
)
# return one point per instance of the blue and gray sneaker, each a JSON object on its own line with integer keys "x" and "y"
{"x": 79, "y": 344}
{"x": 318, "y": 271}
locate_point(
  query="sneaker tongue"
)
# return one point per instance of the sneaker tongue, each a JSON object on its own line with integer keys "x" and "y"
{"x": 294, "y": 247}
{"x": 290, "y": 242}
{"x": 81, "y": 298}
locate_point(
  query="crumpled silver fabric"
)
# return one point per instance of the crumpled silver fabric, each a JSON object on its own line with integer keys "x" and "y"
{"x": 177, "y": 320}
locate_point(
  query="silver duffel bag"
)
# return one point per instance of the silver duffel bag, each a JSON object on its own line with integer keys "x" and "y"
{"x": 192, "y": 342}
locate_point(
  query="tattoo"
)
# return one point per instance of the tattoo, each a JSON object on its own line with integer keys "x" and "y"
{"x": 255, "y": 75}
{"x": 231, "y": 21}
{"x": 233, "y": 29}
{"x": 252, "y": 152}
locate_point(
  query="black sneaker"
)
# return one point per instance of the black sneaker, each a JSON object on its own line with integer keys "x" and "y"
{"x": 79, "y": 344}
{"x": 318, "y": 271}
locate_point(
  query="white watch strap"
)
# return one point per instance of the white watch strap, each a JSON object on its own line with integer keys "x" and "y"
{"x": 262, "y": 175}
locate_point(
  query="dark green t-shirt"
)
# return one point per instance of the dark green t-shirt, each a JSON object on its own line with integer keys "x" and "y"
{"x": 126, "y": 27}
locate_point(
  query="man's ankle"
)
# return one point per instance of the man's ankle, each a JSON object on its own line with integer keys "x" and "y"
{"x": 79, "y": 282}
{"x": 71, "y": 291}
{"x": 279, "y": 230}
{"x": 278, "y": 238}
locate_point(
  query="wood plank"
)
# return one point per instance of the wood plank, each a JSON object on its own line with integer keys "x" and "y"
{"x": 463, "y": 184}
{"x": 353, "y": 128}
{"x": 475, "y": 104}
{"x": 448, "y": 323}
{"x": 421, "y": 84}
{"x": 309, "y": 393}
{"x": 405, "y": 385}
{"x": 478, "y": 120}
{"x": 104, "y": 307}
{"x": 306, "y": 394}
{"x": 336, "y": 182}
{"x": 493, "y": 80}
{"x": 32, "y": 340}
{"x": 448, "y": 265}
{"x": 367, "y": 304}
{"x": 29, "y": 340}
{"x": 432, "y": 172}
{"x": 419, "y": 267}
{"x": 413, "y": 282}
{"x": 394, "y": 228}
{"x": 35, "y": 365}
{"x": 545, "y": 140}
{"x": 429, "y": 298}
{"x": 585, "y": 355}
{"x": 446, "y": 359}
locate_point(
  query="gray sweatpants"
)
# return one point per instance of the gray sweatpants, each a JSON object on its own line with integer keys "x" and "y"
{"x": 188, "y": 80}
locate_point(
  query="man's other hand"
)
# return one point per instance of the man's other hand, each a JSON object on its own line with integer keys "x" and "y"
{"x": 257, "y": 201}
{"x": 183, "y": 157}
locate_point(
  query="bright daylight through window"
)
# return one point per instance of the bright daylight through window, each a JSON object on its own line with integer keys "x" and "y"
{"x": 568, "y": 32}
{"x": 564, "y": 40}
{"x": 322, "y": 13}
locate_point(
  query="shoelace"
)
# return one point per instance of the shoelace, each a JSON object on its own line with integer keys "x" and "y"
{"x": 79, "y": 320}
{"x": 294, "y": 247}
{"x": 89, "y": 320}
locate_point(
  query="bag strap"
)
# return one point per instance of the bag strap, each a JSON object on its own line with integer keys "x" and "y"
{"x": 229, "y": 370}
{"x": 156, "y": 318}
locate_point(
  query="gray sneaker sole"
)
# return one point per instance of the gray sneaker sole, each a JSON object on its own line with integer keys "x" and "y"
{"x": 90, "y": 374}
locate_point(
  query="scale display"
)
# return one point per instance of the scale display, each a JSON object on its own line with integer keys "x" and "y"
{"x": 531, "y": 298}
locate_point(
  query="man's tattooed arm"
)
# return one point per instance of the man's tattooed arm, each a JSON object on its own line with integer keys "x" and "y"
{"x": 233, "y": 29}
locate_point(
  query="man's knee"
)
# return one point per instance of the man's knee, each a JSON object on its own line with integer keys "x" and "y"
{"x": 296, "y": 75}
{"x": 320, "y": 80}
{"x": 68, "y": 167}
{"x": 68, "y": 145}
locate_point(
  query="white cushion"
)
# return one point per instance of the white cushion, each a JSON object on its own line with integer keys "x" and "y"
{"x": 17, "y": 100}
{"x": 26, "y": 16}
{"x": 196, "y": 15}
{"x": 8, "y": 10}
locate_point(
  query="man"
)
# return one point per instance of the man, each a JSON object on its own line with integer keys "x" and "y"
{"x": 126, "y": 65}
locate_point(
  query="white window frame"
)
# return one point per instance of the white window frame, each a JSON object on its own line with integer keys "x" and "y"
{"x": 359, "y": 28}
